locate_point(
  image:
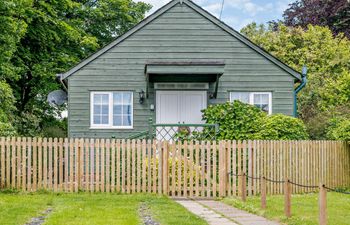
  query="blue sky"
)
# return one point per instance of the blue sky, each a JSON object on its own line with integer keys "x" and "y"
{"x": 239, "y": 13}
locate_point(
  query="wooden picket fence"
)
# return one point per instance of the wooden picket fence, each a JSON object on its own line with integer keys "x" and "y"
{"x": 194, "y": 169}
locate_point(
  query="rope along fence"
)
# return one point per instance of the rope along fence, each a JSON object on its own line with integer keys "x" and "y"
{"x": 323, "y": 189}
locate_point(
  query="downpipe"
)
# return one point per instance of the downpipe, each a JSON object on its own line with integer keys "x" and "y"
{"x": 298, "y": 89}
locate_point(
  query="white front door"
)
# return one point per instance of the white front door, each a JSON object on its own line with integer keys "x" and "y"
{"x": 180, "y": 107}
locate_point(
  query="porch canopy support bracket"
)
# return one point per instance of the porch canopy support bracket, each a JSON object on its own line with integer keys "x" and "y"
{"x": 190, "y": 72}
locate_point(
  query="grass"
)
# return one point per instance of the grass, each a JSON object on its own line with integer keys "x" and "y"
{"x": 85, "y": 208}
{"x": 304, "y": 208}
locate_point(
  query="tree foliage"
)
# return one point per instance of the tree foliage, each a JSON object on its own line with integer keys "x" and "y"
{"x": 339, "y": 129}
{"x": 42, "y": 38}
{"x": 328, "y": 59}
{"x": 239, "y": 121}
{"x": 333, "y": 14}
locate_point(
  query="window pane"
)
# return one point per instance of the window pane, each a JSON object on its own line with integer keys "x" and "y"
{"x": 97, "y": 99}
{"x": 265, "y": 107}
{"x": 105, "y": 99}
{"x": 127, "y": 109}
{"x": 261, "y": 98}
{"x": 105, "y": 109}
{"x": 117, "y": 120}
{"x": 117, "y": 98}
{"x": 117, "y": 110}
{"x": 126, "y": 98}
{"x": 97, "y": 120}
{"x": 105, "y": 119}
{"x": 127, "y": 120}
{"x": 97, "y": 109}
{"x": 262, "y": 101}
{"x": 265, "y": 98}
{"x": 240, "y": 96}
{"x": 101, "y": 109}
{"x": 122, "y": 109}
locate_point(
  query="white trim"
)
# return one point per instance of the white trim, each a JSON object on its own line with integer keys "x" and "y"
{"x": 110, "y": 111}
{"x": 251, "y": 98}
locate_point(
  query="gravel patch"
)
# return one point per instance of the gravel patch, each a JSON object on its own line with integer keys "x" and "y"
{"x": 146, "y": 215}
{"x": 40, "y": 219}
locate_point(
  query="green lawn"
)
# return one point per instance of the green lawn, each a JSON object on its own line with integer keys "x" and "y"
{"x": 304, "y": 208}
{"x": 84, "y": 208}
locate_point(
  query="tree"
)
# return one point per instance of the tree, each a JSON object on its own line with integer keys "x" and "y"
{"x": 334, "y": 14}
{"x": 52, "y": 36}
{"x": 327, "y": 93}
{"x": 12, "y": 27}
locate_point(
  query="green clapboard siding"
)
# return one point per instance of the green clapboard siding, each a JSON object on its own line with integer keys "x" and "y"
{"x": 180, "y": 34}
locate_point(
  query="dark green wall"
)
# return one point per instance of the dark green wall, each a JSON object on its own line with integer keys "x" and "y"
{"x": 180, "y": 34}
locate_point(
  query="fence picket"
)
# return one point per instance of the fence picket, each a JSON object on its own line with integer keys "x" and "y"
{"x": 133, "y": 166}
{"x": 61, "y": 164}
{"x": 191, "y": 167}
{"x": 138, "y": 155}
{"x": 143, "y": 161}
{"x": 209, "y": 168}
{"x": 108, "y": 166}
{"x": 24, "y": 163}
{"x": 173, "y": 169}
{"x": 154, "y": 174}
{"x": 55, "y": 166}
{"x": 179, "y": 168}
{"x": 87, "y": 165}
{"x": 8, "y": 162}
{"x": 102, "y": 165}
{"x": 2, "y": 153}
{"x": 113, "y": 177}
{"x": 197, "y": 163}
{"x": 185, "y": 147}
{"x": 128, "y": 168}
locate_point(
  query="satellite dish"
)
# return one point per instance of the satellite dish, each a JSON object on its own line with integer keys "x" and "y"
{"x": 57, "y": 98}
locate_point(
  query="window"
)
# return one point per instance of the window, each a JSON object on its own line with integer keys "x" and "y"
{"x": 262, "y": 100}
{"x": 112, "y": 110}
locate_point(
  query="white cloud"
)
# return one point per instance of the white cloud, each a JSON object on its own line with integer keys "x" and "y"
{"x": 215, "y": 9}
{"x": 249, "y": 7}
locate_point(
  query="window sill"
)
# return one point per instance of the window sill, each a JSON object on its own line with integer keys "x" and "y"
{"x": 111, "y": 128}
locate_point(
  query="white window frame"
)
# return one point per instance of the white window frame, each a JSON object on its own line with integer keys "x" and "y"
{"x": 251, "y": 98}
{"x": 110, "y": 111}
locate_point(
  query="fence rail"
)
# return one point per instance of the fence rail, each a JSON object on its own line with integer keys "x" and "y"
{"x": 188, "y": 168}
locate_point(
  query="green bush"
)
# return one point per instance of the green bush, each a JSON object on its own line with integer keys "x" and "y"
{"x": 282, "y": 127}
{"x": 239, "y": 121}
{"x": 339, "y": 129}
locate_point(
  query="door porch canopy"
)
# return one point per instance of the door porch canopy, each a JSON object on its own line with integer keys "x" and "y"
{"x": 190, "y": 72}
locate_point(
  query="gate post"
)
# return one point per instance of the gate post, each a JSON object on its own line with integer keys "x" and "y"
{"x": 222, "y": 169}
{"x": 263, "y": 193}
{"x": 287, "y": 198}
{"x": 150, "y": 128}
{"x": 322, "y": 201}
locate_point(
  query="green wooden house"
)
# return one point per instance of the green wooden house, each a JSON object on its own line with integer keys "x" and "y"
{"x": 169, "y": 67}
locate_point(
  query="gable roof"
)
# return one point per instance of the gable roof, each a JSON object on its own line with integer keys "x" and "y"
{"x": 199, "y": 10}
